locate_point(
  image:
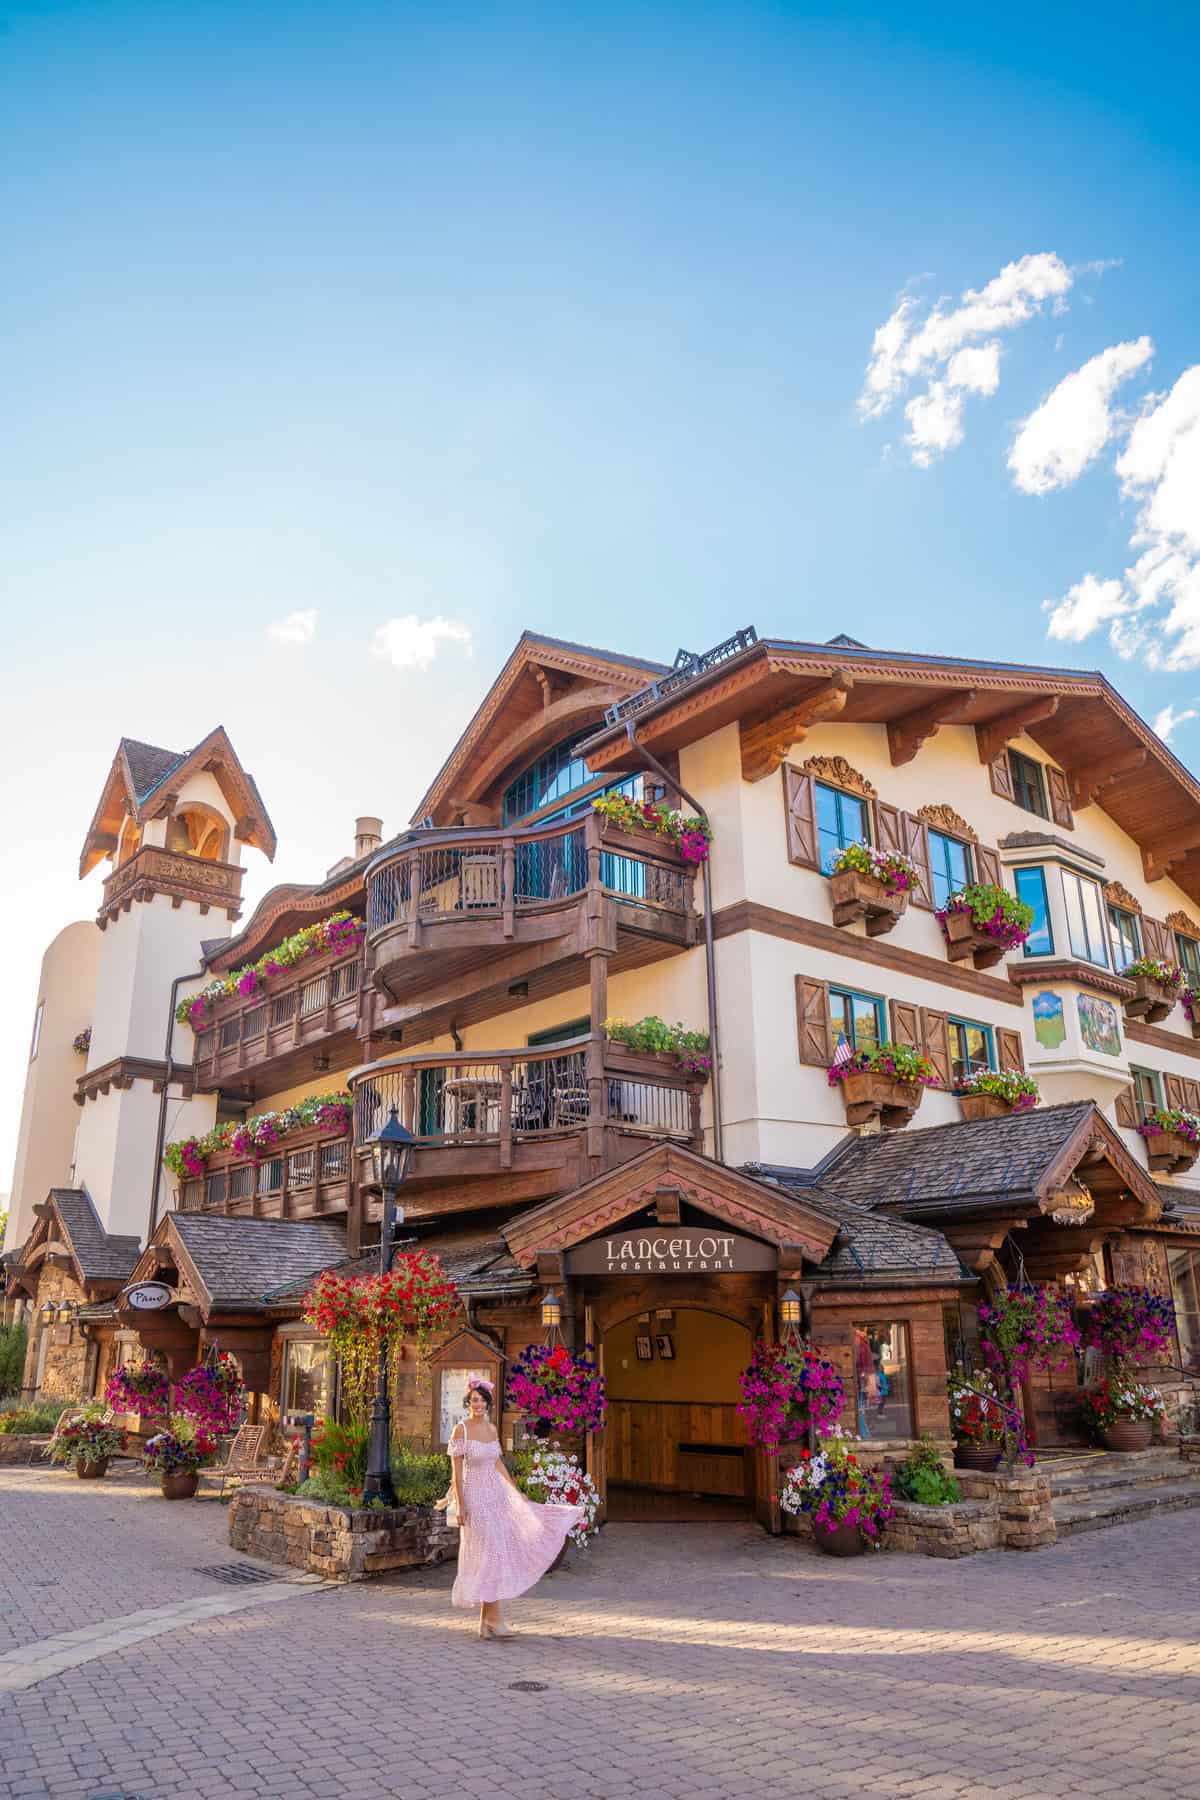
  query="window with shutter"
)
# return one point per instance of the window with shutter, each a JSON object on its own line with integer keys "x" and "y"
{"x": 887, "y": 819}
{"x": 812, "y": 1021}
{"x": 1127, "y": 1112}
{"x": 1188, "y": 955}
{"x": 935, "y": 1031}
{"x": 801, "y": 810}
{"x": 906, "y": 1024}
{"x": 916, "y": 844}
{"x": 1000, "y": 776}
{"x": 1060, "y": 798}
{"x": 987, "y": 865}
{"x": 1175, "y": 1093}
{"x": 1157, "y": 939}
{"x": 1010, "y": 1049}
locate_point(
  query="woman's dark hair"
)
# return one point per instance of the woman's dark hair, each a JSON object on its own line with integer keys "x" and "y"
{"x": 475, "y": 1388}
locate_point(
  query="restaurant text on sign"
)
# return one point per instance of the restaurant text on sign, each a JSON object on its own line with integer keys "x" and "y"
{"x": 672, "y": 1252}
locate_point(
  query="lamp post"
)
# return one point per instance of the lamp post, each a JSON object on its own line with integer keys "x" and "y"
{"x": 391, "y": 1153}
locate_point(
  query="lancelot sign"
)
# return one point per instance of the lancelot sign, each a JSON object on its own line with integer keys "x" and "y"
{"x": 148, "y": 1296}
{"x": 673, "y": 1250}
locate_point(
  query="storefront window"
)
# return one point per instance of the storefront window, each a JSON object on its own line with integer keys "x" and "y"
{"x": 1185, "y": 1290}
{"x": 306, "y": 1377}
{"x": 883, "y": 1392}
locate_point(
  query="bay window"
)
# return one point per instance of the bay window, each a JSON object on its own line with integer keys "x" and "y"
{"x": 1085, "y": 918}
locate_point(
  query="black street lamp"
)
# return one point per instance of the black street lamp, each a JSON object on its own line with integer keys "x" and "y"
{"x": 391, "y": 1153}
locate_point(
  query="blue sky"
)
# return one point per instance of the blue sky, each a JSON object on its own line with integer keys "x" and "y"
{"x": 559, "y": 317}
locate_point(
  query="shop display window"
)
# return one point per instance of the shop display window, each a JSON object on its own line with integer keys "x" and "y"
{"x": 882, "y": 1381}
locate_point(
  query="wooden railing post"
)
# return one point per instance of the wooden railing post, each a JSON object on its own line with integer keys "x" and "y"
{"x": 694, "y": 1118}
{"x": 508, "y": 886}
{"x": 414, "y": 899}
{"x": 408, "y": 1101}
{"x": 597, "y": 1088}
{"x": 506, "y": 1122}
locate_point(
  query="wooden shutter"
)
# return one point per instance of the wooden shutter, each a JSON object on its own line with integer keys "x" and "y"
{"x": 915, "y": 834}
{"x": 812, "y": 1021}
{"x": 1000, "y": 776}
{"x": 1127, "y": 1108}
{"x": 800, "y": 804}
{"x": 888, "y": 830}
{"x": 1009, "y": 1049}
{"x": 1191, "y": 1094}
{"x": 936, "y": 1034}
{"x": 1156, "y": 939}
{"x": 1060, "y": 798}
{"x": 1175, "y": 1093}
{"x": 987, "y": 865}
{"x": 906, "y": 1024}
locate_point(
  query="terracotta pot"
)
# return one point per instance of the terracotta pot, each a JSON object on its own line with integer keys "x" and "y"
{"x": 1127, "y": 1434}
{"x": 856, "y": 896}
{"x": 180, "y": 1487}
{"x": 1152, "y": 1002}
{"x": 965, "y": 944}
{"x": 983, "y": 1457}
{"x": 983, "y": 1106}
{"x": 91, "y": 1471}
{"x": 842, "y": 1539}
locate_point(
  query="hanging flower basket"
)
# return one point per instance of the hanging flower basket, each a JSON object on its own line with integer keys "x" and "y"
{"x": 1131, "y": 1325}
{"x": 873, "y": 886}
{"x": 1158, "y": 985}
{"x": 360, "y": 1315}
{"x": 887, "y": 1083}
{"x": 1172, "y": 1139}
{"x": 140, "y": 1388}
{"x": 788, "y": 1390}
{"x": 82, "y": 1041}
{"x": 983, "y": 921}
{"x": 996, "y": 1092}
{"x": 1027, "y": 1328}
{"x": 556, "y": 1391}
{"x": 211, "y": 1395}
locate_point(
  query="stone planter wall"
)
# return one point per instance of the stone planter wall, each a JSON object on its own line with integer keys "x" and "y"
{"x": 960, "y": 1529}
{"x": 1022, "y": 1501}
{"x": 17, "y": 1449}
{"x": 333, "y": 1541}
{"x": 997, "y": 1511}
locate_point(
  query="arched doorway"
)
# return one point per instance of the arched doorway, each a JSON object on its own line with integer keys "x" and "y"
{"x": 675, "y": 1447}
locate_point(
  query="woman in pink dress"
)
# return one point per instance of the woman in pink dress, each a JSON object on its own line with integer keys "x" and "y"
{"x": 506, "y": 1542}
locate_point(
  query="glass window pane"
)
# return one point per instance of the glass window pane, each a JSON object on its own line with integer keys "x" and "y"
{"x": 306, "y": 1378}
{"x": 1031, "y": 888}
{"x": 1126, "y": 937}
{"x": 866, "y": 1024}
{"x": 841, "y": 1020}
{"x": 1093, "y": 915}
{"x": 1189, "y": 958}
{"x": 829, "y": 829}
{"x": 949, "y": 866}
{"x": 855, "y": 826}
{"x": 882, "y": 1386}
{"x": 1185, "y": 1288}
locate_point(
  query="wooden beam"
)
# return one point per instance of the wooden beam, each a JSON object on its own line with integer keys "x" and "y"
{"x": 909, "y": 732}
{"x": 1158, "y": 857}
{"x": 766, "y": 743}
{"x": 1087, "y": 783}
{"x": 993, "y": 736}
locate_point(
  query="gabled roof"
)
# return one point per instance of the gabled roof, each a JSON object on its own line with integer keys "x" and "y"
{"x": 67, "y": 1214}
{"x": 142, "y": 777}
{"x": 477, "y": 1263}
{"x": 236, "y": 1262}
{"x": 873, "y": 1246}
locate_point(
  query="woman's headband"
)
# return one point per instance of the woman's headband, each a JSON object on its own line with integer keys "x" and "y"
{"x": 477, "y": 1385}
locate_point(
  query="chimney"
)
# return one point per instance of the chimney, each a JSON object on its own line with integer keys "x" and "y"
{"x": 368, "y": 835}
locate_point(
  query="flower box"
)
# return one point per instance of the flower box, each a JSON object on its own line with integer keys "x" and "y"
{"x": 984, "y": 1106}
{"x": 1153, "y": 1001}
{"x": 857, "y": 896}
{"x": 966, "y": 943}
{"x": 871, "y": 1095}
{"x": 1168, "y": 1153}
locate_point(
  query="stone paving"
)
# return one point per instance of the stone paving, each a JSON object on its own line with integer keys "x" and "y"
{"x": 677, "y": 1661}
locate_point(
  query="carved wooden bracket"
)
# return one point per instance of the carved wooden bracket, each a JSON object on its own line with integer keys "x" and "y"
{"x": 165, "y": 807}
{"x": 244, "y": 830}
{"x": 1159, "y": 857}
{"x": 766, "y": 742}
{"x": 908, "y": 733}
{"x": 993, "y": 736}
{"x": 1087, "y": 783}
{"x": 944, "y": 818}
{"x": 837, "y": 771}
{"x": 1117, "y": 895}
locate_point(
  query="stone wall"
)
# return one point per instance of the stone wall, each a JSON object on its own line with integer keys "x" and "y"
{"x": 64, "y": 1373}
{"x": 16, "y": 1449}
{"x": 1023, "y": 1503}
{"x": 959, "y": 1529}
{"x": 997, "y": 1511}
{"x": 333, "y": 1541}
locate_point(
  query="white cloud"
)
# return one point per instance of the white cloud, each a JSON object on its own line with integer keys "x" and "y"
{"x": 1166, "y": 720}
{"x": 1082, "y": 608}
{"x": 296, "y": 628}
{"x": 1072, "y": 425}
{"x": 945, "y": 349}
{"x": 413, "y": 643}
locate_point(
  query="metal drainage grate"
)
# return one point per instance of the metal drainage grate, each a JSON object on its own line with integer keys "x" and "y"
{"x": 528, "y": 1687}
{"x": 239, "y": 1574}
{"x": 116, "y": 1794}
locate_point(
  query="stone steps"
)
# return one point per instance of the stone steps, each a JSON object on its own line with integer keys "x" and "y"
{"x": 1112, "y": 1504}
{"x": 1118, "y": 1472}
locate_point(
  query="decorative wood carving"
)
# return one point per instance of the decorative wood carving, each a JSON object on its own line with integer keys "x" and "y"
{"x": 993, "y": 736}
{"x": 1159, "y": 857}
{"x": 766, "y": 742}
{"x": 153, "y": 871}
{"x": 837, "y": 771}
{"x": 944, "y": 818}
{"x": 1117, "y": 895}
{"x": 1179, "y": 921}
{"x": 1087, "y": 783}
{"x": 908, "y": 733}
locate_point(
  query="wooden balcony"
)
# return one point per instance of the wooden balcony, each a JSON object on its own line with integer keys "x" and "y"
{"x": 305, "y": 1177}
{"x": 459, "y": 918}
{"x": 511, "y": 1125}
{"x": 296, "y": 1024}
{"x": 151, "y": 871}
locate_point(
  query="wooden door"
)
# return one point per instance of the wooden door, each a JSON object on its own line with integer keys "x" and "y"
{"x": 597, "y": 1446}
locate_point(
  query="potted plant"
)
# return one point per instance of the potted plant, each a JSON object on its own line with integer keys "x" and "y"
{"x": 672, "y": 1044}
{"x": 178, "y": 1454}
{"x": 982, "y": 921}
{"x": 992, "y": 1093}
{"x": 923, "y": 1479}
{"x": 788, "y": 1390}
{"x": 1191, "y": 1006}
{"x": 86, "y": 1437}
{"x": 887, "y": 1082}
{"x": 690, "y": 835}
{"x": 1172, "y": 1139}
{"x": 977, "y": 1420}
{"x": 1158, "y": 985}
{"x": 871, "y": 885}
{"x": 1122, "y": 1414}
{"x": 551, "y": 1477}
{"x": 557, "y": 1391}
{"x": 847, "y": 1503}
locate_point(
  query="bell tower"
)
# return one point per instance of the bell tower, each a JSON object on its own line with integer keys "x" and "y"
{"x": 174, "y": 826}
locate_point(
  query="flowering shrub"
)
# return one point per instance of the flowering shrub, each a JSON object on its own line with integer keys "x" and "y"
{"x": 557, "y": 1391}
{"x": 551, "y": 1477}
{"x": 691, "y": 835}
{"x": 212, "y": 1394}
{"x": 82, "y": 1041}
{"x": 328, "y": 1112}
{"x": 976, "y": 1418}
{"x": 898, "y": 1060}
{"x": 1112, "y": 1402}
{"x": 1027, "y": 1328}
{"x": 1130, "y": 1325}
{"x": 82, "y": 1435}
{"x": 1154, "y": 968}
{"x": 689, "y": 1048}
{"x": 340, "y": 932}
{"x": 834, "y": 1488}
{"x": 360, "y": 1314}
{"x": 994, "y": 911}
{"x": 1173, "y": 1121}
{"x": 339, "y": 1454}
{"x": 140, "y": 1388}
{"x": 891, "y": 868}
{"x": 180, "y": 1450}
{"x": 785, "y": 1389}
{"x": 1020, "y": 1091}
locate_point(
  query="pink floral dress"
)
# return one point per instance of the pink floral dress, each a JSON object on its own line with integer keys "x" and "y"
{"x": 508, "y": 1542}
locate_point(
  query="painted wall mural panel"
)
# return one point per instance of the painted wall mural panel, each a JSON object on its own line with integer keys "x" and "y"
{"x": 1049, "y": 1026}
{"x": 1098, "y": 1025}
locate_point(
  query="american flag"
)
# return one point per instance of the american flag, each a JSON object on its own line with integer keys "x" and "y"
{"x": 843, "y": 1053}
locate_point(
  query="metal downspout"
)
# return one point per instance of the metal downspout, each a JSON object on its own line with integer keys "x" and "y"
{"x": 710, "y": 964}
{"x": 162, "y": 1105}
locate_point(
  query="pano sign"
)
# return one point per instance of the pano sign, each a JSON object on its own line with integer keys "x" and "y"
{"x": 675, "y": 1250}
{"x": 148, "y": 1296}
